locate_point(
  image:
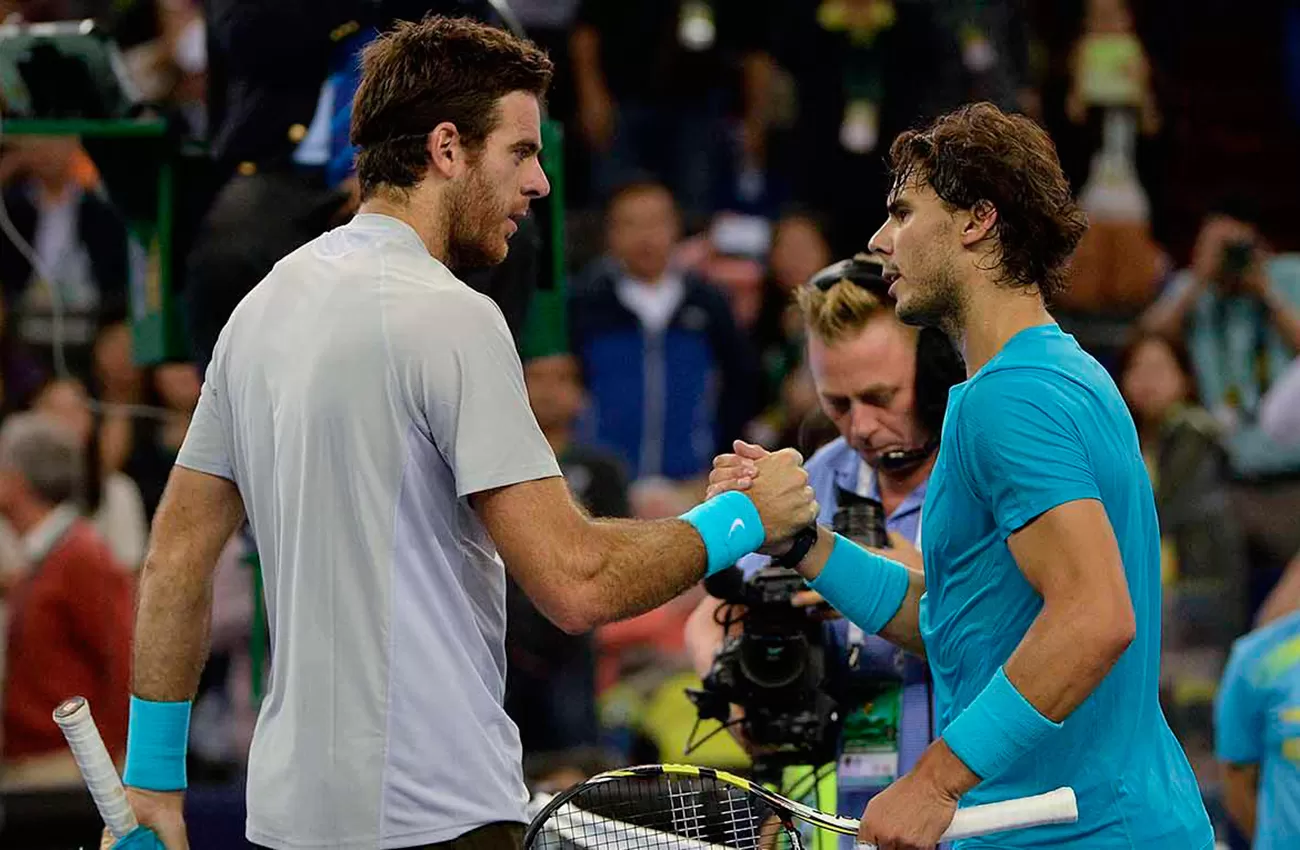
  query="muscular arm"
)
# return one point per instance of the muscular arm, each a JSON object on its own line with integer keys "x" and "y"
{"x": 582, "y": 572}
{"x": 197, "y": 516}
{"x": 1070, "y": 556}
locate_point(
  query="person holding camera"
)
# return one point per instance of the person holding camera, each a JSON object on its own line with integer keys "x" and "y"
{"x": 885, "y": 387}
{"x": 1239, "y": 306}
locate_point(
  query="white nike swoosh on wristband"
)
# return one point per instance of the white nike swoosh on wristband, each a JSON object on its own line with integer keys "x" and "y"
{"x": 737, "y": 524}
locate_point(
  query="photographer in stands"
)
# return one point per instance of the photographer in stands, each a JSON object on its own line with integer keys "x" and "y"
{"x": 885, "y": 387}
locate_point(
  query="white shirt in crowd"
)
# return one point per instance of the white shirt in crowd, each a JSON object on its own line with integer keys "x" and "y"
{"x": 357, "y": 397}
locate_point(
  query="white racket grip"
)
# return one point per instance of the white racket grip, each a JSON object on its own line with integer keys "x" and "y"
{"x": 97, "y": 769}
{"x": 1059, "y": 806}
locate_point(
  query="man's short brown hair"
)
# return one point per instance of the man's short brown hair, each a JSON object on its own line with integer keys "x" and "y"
{"x": 980, "y": 154}
{"x": 418, "y": 75}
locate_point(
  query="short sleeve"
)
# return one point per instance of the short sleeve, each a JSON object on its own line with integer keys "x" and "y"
{"x": 1284, "y": 275}
{"x": 1020, "y": 446}
{"x": 1238, "y": 719}
{"x": 464, "y": 377}
{"x": 207, "y": 442}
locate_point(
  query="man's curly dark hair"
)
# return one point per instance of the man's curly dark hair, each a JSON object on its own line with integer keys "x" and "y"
{"x": 979, "y": 154}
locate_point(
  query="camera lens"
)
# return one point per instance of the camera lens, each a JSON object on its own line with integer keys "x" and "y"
{"x": 773, "y": 661}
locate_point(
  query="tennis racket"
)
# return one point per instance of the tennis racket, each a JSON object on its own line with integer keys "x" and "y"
{"x": 680, "y": 807}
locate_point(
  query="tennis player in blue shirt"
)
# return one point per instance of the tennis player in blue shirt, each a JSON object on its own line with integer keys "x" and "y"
{"x": 1257, "y": 734}
{"x": 1039, "y": 606}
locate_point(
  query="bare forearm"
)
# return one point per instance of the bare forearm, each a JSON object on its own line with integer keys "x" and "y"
{"x": 631, "y": 567}
{"x": 173, "y": 621}
{"x": 704, "y": 635}
{"x": 1240, "y": 797}
{"x": 904, "y": 630}
{"x": 1065, "y": 654}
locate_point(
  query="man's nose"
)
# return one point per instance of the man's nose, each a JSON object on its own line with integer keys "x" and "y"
{"x": 882, "y": 241}
{"x": 537, "y": 185}
{"x": 864, "y": 421}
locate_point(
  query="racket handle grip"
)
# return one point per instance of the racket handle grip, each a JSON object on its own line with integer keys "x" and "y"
{"x": 97, "y": 768}
{"x": 1059, "y": 806}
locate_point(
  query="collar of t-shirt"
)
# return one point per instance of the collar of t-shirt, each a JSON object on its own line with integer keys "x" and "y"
{"x": 41, "y": 540}
{"x": 653, "y": 303}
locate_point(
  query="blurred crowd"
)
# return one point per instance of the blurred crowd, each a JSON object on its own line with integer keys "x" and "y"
{"x": 717, "y": 154}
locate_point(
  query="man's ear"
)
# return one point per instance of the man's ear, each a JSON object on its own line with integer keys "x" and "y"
{"x": 978, "y": 223}
{"x": 446, "y": 153}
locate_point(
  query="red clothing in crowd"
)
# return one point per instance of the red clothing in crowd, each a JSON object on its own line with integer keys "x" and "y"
{"x": 70, "y": 623}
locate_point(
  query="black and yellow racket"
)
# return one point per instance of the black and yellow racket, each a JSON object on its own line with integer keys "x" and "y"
{"x": 680, "y": 807}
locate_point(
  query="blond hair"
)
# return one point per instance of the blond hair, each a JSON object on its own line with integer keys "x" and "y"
{"x": 840, "y": 312}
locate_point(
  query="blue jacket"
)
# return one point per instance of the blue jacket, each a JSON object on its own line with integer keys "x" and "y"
{"x": 667, "y": 402}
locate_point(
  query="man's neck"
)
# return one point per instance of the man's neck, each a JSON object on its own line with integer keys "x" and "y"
{"x": 27, "y": 516}
{"x": 993, "y": 315}
{"x": 421, "y": 213}
{"x": 896, "y": 487}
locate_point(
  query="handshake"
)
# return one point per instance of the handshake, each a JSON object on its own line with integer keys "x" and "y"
{"x": 776, "y": 483}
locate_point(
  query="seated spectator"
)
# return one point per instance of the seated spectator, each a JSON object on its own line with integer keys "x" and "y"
{"x": 112, "y": 499}
{"x": 1239, "y": 306}
{"x": 71, "y": 613}
{"x": 1203, "y": 557}
{"x": 79, "y": 241}
{"x": 1256, "y": 721}
{"x": 551, "y": 689}
{"x": 672, "y": 380}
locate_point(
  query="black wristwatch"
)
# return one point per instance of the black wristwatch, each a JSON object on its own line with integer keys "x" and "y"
{"x": 802, "y": 541}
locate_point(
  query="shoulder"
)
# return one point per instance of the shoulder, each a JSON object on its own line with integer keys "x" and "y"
{"x": 83, "y": 550}
{"x": 700, "y": 292}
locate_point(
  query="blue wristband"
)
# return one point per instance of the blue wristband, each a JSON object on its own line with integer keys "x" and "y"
{"x": 156, "y": 740}
{"x": 998, "y": 728}
{"x": 139, "y": 839}
{"x": 730, "y": 526}
{"x": 866, "y": 588}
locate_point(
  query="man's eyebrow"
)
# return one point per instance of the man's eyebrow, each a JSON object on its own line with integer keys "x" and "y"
{"x": 896, "y": 206}
{"x": 527, "y": 147}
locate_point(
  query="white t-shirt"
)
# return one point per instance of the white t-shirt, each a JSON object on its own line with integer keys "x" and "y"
{"x": 357, "y": 396}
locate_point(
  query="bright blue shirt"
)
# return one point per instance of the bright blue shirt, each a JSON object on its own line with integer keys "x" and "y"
{"x": 1258, "y": 722}
{"x": 1040, "y": 425}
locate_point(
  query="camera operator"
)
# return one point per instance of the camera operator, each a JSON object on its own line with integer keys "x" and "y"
{"x": 885, "y": 387}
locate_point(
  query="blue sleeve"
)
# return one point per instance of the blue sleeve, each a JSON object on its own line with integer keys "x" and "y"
{"x": 1019, "y": 445}
{"x": 1238, "y": 718}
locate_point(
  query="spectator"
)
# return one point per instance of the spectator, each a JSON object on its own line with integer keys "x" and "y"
{"x": 70, "y": 615}
{"x": 550, "y": 689}
{"x": 656, "y": 81}
{"x": 799, "y": 251}
{"x": 112, "y": 499}
{"x": 1257, "y": 715}
{"x": 80, "y": 244}
{"x": 1203, "y": 556}
{"x": 672, "y": 380}
{"x": 1239, "y": 305}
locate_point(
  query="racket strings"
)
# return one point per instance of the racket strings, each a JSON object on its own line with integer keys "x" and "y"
{"x": 662, "y": 813}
